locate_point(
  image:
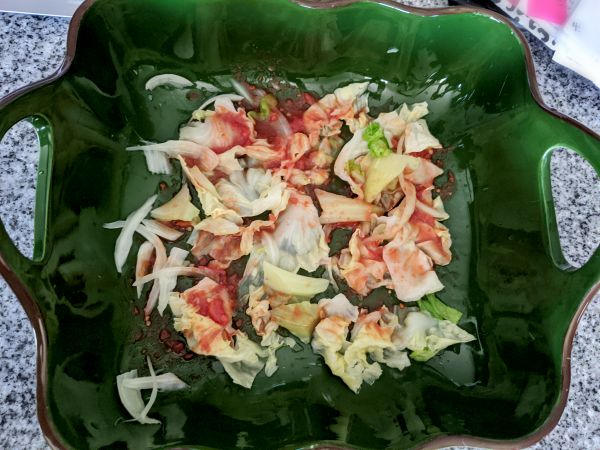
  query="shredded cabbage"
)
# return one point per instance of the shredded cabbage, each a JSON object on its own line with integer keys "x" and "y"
{"x": 427, "y": 336}
{"x": 348, "y": 104}
{"x": 353, "y": 149}
{"x": 208, "y": 195}
{"x": 252, "y": 192}
{"x": 298, "y": 241}
{"x": 414, "y": 113}
{"x": 243, "y": 361}
{"x": 418, "y": 138}
{"x": 387, "y": 227}
{"x": 291, "y": 283}
{"x": 411, "y": 270}
{"x": 361, "y": 266}
{"x": 339, "y": 208}
{"x": 257, "y": 174}
{"x": 271, "y": 343}
{"x": 329, "y": 340}
{"x": 339, "y": 306}
{"x": 242, "y": 358}
{"x": 384, "y": 170}
{"x": 220, "y": 130}
{"x": 180, "y": 207}
{"x": 299, "y": 319}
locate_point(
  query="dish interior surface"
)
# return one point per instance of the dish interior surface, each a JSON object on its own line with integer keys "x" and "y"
{"x": 507, "y": 275}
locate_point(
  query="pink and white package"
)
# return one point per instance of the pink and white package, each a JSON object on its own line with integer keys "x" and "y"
{"x": 578, "y": 44}
{"x": 569, "y": 27}
{"x": 542, "y": 18}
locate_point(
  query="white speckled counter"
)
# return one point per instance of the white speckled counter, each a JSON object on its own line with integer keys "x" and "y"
{"x": 33, "y": 47}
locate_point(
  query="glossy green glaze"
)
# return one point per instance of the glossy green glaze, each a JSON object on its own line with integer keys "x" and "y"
{"x": 508, "y": 275}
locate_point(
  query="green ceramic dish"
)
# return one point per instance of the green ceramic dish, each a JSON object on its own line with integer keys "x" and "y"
{"x": 520, "y": 296}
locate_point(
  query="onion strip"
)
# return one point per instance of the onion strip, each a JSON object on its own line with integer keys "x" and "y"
{"x": 125, "y": 239}
{"x": 168, "y": 282}
{"x": 154, "y": 392}
{"x": 162, "y": 230}
{"x": 167, "y": 79}
{"x": 144, "y": 254}
{"x": 165, "y": 382}
{"x": 157, "y": 163}
{"x": 178, "y": 271}
{"x": 210, "y": 101}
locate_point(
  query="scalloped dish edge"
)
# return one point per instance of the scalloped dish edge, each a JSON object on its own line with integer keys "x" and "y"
{"x": 34, "y": 315}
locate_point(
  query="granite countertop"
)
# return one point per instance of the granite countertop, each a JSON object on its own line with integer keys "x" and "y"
{"x": 33, "y": 47}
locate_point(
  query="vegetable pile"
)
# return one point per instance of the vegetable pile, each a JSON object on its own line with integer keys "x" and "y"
{"x": 274, "y": 181}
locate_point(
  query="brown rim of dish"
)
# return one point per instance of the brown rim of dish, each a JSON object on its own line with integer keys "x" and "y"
{"x": 33, "y": 313}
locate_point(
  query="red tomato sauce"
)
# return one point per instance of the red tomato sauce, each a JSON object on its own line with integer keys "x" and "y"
{"x": 233, "y": 125}
{"x": 425, "y": 154}
{"x": 419, "y": 216}
{"x": 213, "y": 307}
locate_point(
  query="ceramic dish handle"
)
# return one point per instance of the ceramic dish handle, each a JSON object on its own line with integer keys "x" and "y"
{"x": 586, "y": 143}
{"x": 14, "y": 109}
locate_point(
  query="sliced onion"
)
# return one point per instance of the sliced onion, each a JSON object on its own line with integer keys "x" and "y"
{"x": 114, "y": 225}
{"x": 165, "y": 382}
{"x": 129, "y": 386}
{"x": 142, "y": 264}
{"x": 167, "y": 282}
{"x": 162, "y": 230}
{"x": 153, "y": 394}
{"x": 204, "y": 156}
{"x": 339, "y": 208}
{"x": 145, "y": 232}
{"x": 210, "y": 101}
{"x": 152, "y": 301}
{"x": 169, "y": 79}
{"x": 125, "y": 239}
{"x": 132, "y": 398}
{"x": 281, "y": 126}
{"x": 206, "y": 86}
{"x": 176, "y": 271}
{"x": 240, "y": 89}
{"x": 157, "y": 163}
{"x": 161, "y": 260}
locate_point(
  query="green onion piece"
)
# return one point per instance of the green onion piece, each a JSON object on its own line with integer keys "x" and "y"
{"x": 422, "y": 355}
{"x": 265, "y": 105}
{"x": 438, "y": 309}
{"x": 376, "y": 141}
